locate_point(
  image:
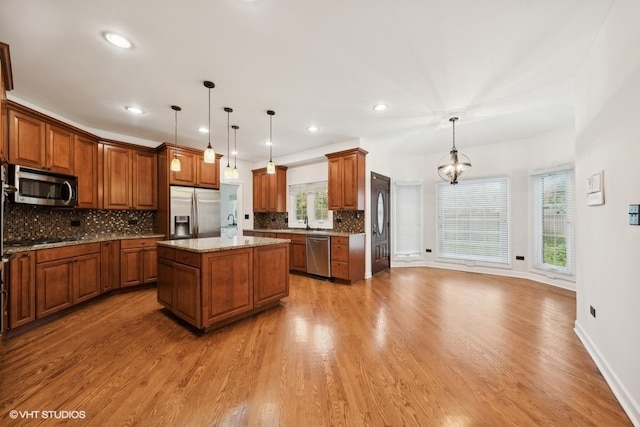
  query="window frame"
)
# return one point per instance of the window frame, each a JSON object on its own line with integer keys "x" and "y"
{"x": 310, "y": 189}
{"x": 398, "y": 220}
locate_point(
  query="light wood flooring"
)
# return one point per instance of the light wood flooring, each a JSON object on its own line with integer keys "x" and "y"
{"x": 412, "y": 346}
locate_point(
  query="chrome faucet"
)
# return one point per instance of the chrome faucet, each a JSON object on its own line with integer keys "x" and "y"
{"x": 306, "y": 222}
{"x": 233, "y": 218}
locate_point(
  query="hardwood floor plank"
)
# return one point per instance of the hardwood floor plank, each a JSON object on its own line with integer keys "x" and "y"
{"x": 413, "y": 346}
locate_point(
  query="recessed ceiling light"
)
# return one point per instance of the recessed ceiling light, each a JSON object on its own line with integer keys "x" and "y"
{"x": 234, "y": 152}
{"x": 134, "y": 110}
{"x": 268, "y": 143}
{"x": 380, "y": 107}
{"x": 118, "y": 40}
{"x": 203, "y": 130}
{"x": 312, "y": 128}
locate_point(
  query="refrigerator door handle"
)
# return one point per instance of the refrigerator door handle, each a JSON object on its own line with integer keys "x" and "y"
{"x": 194, "y": 207}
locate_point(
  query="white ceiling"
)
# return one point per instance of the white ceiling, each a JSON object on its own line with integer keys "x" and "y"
{"x": 506, "y": 65}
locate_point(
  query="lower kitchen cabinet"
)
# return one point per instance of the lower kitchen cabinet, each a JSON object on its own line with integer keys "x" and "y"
{"x": 22, "y": 292}
{"x": 138, "y": 262}
{"x": 347, "y": 257}
{"x": 179, "y": 283}
{"x": 66, "y": 276}
{"x": 109, "y": 265}
{"x": 297, "y": 250}
{"x": 270, "y": 274}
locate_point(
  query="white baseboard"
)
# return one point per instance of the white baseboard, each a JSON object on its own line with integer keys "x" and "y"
{"x": 630, "y": 406}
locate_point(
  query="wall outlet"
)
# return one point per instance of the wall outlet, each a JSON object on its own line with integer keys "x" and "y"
{"x": 592, "y": 310}
{"x": 520, "y": 257}
{"x": 75, "y": 223}
{"x": 133, "y": 222}
{"x": 428, "y": 251}
{"x": 246, "y": 216}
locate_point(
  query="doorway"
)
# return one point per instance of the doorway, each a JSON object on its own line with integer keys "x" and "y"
{"x": 229, "y": 210}
{"x": 380, "y": 223}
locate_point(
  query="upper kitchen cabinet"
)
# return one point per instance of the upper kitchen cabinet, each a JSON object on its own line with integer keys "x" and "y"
{"x": 85, "y": 159}
{"x": 346, "y": 185}
{"x": 6, "y": 84}
{"x": 129, "y": 177}
{"x": 270, "y": 190}
{"x": 194, "y": 172}
{"x": 38, "y": 144}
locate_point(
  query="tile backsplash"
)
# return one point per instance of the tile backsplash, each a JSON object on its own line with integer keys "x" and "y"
{"x": 343, "y": 221}
{"x": 34, "y": 222}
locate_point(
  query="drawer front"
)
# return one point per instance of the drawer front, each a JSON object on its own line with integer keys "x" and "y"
{"x": 340, "y": 270}
{"x": 294, "y": 237}
{"x": 340, "y": 240}
{"x": 339, "y": 252}
{"x": 137, "y": 243}
{"x": 188, "y": 258}
{"x": 166, "y": 253}
{"x": 44, "y": 255}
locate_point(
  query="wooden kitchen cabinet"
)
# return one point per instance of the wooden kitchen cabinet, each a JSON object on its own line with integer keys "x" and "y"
{"x": 129, "y": 179}
{"x": 109, "y": 265}
{"x": 297, "y": 250}
{"x": 347, "y": 257}
{"x": 85, "y": 160}
{"x": 22, "y": 289}
{"x": 6, "y": 84}
{"x": 138, "y": 262}
{"x": 270, "y": 274}
{"x": 270, "y": 190}
{"x": 66, "y": 276}
{"x": 194, "y": 172}
{"x": 346, "y": 175}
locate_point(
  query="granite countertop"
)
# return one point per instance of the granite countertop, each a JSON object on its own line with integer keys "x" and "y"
{"x": 81, "y": 241}
{"x": 304, "y": 231}
{"x": 214, "y": 244}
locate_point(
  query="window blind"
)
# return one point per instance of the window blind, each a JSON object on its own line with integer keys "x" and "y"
{"x": 473, "y": 220}
{"x": 408, "y": 220}
{"x": 551, "y": 226}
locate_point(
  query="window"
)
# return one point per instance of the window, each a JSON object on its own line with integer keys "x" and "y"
{"x": 408, "y": 219}
{"x": 473, "y": 220}
{"x": 309, "y": 202}
{"x": 552, "y": 221}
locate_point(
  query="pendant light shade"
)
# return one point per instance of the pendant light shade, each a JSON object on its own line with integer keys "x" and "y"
{"x": 175, "y": 162}
{"x": 271, "y": 167}
{"x": 209, "y": 154}
{"x": 228, "y": 172}
{"x": 235, "y": 173}
{"x": 455, "y": 164}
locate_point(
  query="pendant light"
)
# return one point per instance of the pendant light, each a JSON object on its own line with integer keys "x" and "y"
{"x": 209, "y": 154}
{"x": 228, "y": 172}
{"x": 175, "y": 163}
{"x": 456, "y": 164}
{"x": 236, "y": 172}
{"x": 271, "y": 167}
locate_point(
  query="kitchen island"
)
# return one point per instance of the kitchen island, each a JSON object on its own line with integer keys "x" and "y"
{"x": 214, "y": 281}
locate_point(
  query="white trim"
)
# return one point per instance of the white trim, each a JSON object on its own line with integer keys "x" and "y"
{"x": 631, "y": 407}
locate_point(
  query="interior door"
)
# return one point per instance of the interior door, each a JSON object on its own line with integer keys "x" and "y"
{"x": 380, "y": 223}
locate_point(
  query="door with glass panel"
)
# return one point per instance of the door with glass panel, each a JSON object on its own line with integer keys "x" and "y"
{"x": 380, "y": 223}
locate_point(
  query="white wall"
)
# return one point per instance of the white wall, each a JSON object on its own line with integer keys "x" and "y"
{"x": 514, "y": 159}
{"x": 608, "y": 138}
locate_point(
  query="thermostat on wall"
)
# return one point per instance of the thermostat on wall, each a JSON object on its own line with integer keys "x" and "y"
{"x": 634, "y": 218}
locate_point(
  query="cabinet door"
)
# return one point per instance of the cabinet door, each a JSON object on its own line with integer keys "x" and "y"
{"x": 131, "y": 266}
{"x": 298, "y": 256}
{"x": 145, "y": 180}
{"x": 22, "y": 289}
{"x": 54, "y": 286}
{"x": 258, "y": 195}
{"x": 166, "y": 282}
{"x": 109, "y": 265}
{"x": 85, "y": 166}
{"x": 26, "y": 140}
{"x": 187, "y": 304}
{"x": 350, "y": 182}
{"x": 187, "y": 174}
{"x": 334, "y": 189}
{"x": 271, "y": 275}
{"x": 117, "y": 178}
{"x": 86, "y": 277}
{"x": 208, "y": 173}
{"x": 150, "y": 265}
{"x": 227, "y": 284}
{"x": 59, "y": 149}
{"x": 4, "y": 140}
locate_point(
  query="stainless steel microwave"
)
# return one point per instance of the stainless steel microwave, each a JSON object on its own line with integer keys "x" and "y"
{"x": 46, "y": 188}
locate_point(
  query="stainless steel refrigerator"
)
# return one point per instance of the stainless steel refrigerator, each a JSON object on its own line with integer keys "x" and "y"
{"x": 194, "y": 212}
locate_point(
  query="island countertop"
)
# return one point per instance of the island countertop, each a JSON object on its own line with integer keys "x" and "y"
{"x": 213, "y": 244}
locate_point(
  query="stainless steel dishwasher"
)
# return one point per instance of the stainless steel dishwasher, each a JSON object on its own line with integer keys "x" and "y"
{"x": 319, "y": 255}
